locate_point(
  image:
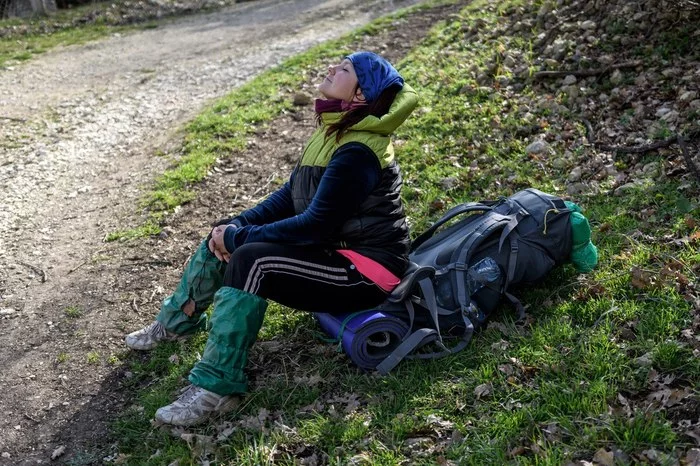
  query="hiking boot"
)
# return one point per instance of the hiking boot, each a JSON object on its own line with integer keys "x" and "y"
{"x": 196, "y": 405}
{"x": 148, "y": 337}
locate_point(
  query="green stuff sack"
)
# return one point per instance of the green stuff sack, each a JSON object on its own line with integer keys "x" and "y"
{"x": 584, "y": 254}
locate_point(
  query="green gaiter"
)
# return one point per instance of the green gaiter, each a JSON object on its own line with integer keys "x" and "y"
{"x": 201, "y": 279}
{"x": 235, "y": 324}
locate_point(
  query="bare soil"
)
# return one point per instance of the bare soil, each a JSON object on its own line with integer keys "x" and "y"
{"x": 81, "y": 127}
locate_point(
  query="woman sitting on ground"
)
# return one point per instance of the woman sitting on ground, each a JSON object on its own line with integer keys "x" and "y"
{"x": 334, "y": 238}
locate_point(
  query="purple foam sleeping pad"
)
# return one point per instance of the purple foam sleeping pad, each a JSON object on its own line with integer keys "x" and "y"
{"x": 368, "y": 337}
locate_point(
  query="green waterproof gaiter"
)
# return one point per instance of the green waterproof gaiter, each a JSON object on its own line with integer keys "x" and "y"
{"x": 201, "y": 279}
{"x": 235, "y": 324}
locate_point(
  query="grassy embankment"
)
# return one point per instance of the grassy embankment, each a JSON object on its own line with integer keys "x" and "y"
{"x": 574, "y": 383}
{"x": 26, "y": 38}
{"x": 23, "y": 38}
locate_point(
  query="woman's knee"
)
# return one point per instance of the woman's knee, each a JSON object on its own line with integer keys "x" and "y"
{"x": 241, "y": 263}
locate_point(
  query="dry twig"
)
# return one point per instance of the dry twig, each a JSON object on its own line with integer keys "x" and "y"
{"x": 688, "y": 159}
{"x": 641, "y": 149}
{"x": 264, "y": 186}
{"x": 21, "y": 120}
{"x": 37, "y": 270}
{"x": 152, "y": 263}
{"x": 76, "y": 267}
{"x": 644, "y": 148}
{"x": 552, "y": 31}
{"x": 587, "y": 73}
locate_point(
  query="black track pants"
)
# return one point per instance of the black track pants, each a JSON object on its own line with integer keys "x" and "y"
{"x": 307, "y": 278}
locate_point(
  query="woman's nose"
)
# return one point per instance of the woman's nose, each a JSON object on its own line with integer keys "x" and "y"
{"x": 331, "y": 70}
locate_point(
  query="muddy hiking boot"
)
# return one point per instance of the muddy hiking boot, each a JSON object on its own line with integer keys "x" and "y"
{"x": 148, "y": 337}
{"x": 196, "y": 405}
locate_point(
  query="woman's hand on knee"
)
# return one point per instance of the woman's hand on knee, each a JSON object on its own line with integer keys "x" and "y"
{"x": 216, "y": 242}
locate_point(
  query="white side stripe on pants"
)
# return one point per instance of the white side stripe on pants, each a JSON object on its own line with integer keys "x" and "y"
{"x": 293, "y": 267}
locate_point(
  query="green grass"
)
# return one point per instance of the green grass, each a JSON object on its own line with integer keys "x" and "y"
{"x": 73, "y": 312}
{"x": 25, "y": 47}
{"x": 555, "y": 384}
{"x": 149, "y": 228}
{"x": 93, "y": 357}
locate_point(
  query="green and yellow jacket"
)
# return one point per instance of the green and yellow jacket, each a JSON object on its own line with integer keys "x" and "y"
{"x": 342, "y": 194}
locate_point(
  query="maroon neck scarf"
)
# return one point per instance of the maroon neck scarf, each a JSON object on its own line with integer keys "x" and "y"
{"x": 335, "y": 105}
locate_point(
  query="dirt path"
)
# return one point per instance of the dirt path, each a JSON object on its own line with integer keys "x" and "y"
{"x": 76, "y": 150}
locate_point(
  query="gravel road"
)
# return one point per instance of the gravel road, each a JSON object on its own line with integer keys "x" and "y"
{"x": 79, "y": 127}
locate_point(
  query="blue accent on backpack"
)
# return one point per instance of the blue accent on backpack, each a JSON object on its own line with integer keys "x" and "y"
{"x": 459, "y": 275}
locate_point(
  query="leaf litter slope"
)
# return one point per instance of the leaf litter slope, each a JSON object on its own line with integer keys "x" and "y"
{"x": 81, "y": 125}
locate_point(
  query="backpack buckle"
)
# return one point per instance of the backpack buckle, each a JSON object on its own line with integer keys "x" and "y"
{"x": 460, "y": 266}
{"x": 470, "y": 310}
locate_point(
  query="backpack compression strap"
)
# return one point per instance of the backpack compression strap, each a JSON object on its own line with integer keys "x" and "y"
{"x": 424, "y": 336}
{"x": 482, "y": 230}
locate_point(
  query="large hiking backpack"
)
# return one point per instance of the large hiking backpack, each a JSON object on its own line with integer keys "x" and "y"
{"x": 459, "y": 275}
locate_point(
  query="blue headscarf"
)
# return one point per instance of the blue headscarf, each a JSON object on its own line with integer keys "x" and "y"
{"x": 374, "y": 74}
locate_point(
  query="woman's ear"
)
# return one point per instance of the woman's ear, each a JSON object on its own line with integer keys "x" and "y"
{"x": 359, "y": 96}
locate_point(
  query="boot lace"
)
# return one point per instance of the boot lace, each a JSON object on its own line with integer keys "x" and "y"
{"x": 190, "y": 394}
{"x": 156, "y": 329}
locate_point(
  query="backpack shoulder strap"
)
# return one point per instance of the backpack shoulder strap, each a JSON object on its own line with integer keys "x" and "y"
{"x": 414, "y": 274}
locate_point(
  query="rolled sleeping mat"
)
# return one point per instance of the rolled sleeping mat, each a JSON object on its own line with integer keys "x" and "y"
{"x": 367, "y": 337}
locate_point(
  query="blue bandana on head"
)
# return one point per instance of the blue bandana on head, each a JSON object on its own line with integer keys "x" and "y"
{"x": 374, "y": 74}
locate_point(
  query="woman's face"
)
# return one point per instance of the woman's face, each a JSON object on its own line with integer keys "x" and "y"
{"x": 341, "y": 82}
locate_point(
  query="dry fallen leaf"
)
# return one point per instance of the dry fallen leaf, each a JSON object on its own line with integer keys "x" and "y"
{"x": 58, "y": 452}
{"x": 225, "y": 433}
{"x": 517, "y": 451}
{"x": 669, "y": 397}
{"x": 500, "y": 345}
{"x": 694, "y": 434}
{"x": 641, "y": 279}
{"x": 604, "y": 457}
{"x": 201, "y": 445}
{"x": 507, "y": 369}
{"x": 257, "y": 422}
{"x": 692, "y": 458}
{"x": 485, "y": 389}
